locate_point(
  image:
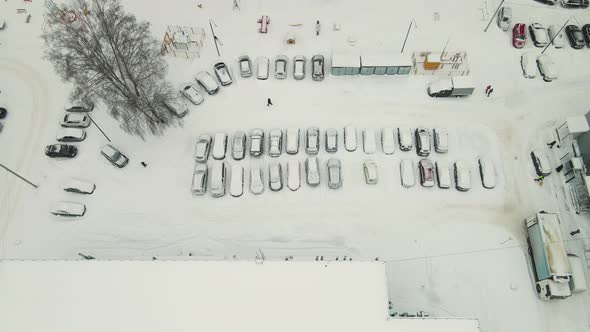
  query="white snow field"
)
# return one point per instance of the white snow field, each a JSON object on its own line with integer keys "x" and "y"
{"x": 450, "y": 253}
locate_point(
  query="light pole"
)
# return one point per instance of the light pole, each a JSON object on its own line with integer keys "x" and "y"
{"x": 558, "y": 32}
{"x": 20, "y": 177}
{"x": 408, "y": 33}
{"x": 97, "y": 126}
{"x": 215, "y": 39}
{"x": 495, "y": 13}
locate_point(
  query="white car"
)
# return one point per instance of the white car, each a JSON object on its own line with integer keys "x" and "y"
{"x": 256, "y": 142}
{"x": 334, "y": 173}
{"x": 350, "y": 138}
{"x": 541, "y": 162}
{"x": 487, "y": 171}
{"x": 462, "y": 176}
{"x": 312, "y": 141}
{"x": 75, "y": 120}
{"x": 207, "y": 82}
{"x": 443, "y": 174}
{"x": 370, "y": 170}
{"x": 556, "y": 36}
{"x": 538, "y": 34}
{"x": 191, "y": 93}
{"x": 217, "y": 179}
{"x": 219, "y": 146}
{"x": 281, "y": 67}
{"x": 388, "y": 140}
{"x": 405, "y": 139}
{"x": 529, "y": 65}
{"x": 179, "y": 109}
{"x": 71, "y": 134}
{"x": 68, "y": 209}
{"x": 292, "y": 141}
{"x": 369, "y": 144}
{"x": 222, "y": 73}
{"x": 275, "y": 176}
{"x": 256, "y": 181}
{"x": 547, "y": 68}
{"x": 312, "y": 170}
{"x": 441, "y": 140}
{"x": 331, "y": 140}
{"x": 407, "y": 173}
{"x": 262, "y": 64}
{"x": 245, "y": 66}
{"x": 78, "y": 186}
{"x": 202, "y": 148}
{"x": 504, "y": 18}
{"x": 199, "y": 185}
{"x": 236, "y": 186}
{"x": 293, "y": 174}
{"x": 275, "y": 142}
{"x": 299, "y": 67}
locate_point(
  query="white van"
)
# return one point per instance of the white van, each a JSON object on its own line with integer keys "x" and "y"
{"x": 207, "y": 82}
{"x": 236, "y": 187}
{"x": 388, "y": 140}
{"x": 350, "y": 138}
{"x": 292, "y": 141}
{"x": 407, "y": 173}
{"x": 262, "y": 68}
{"x": 369, "y": 145}
{"x": 217, "y": 179}
{"x": 219, "y": 146}
{"x": 312, "y": 168}
{"x": 293, "y": 174}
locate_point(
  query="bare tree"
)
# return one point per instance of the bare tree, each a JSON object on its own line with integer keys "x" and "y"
{"x": 108, "y": 55}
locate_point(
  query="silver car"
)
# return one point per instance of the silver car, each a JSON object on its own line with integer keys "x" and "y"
{"x": 114, "y": 156}
{"x": 422, "y": 142}
{"x": 334, "y": 174}
{"x": 275, "y": 142}
{"x": 317, "y": 67}
{"x": 190, "y": 92}
{"x": 217, "y": 179}
{"x": 370, "y": 170}
{"x": 202, "y": 148}
{"x": 199, "y": 185}
{"x": 75, "y": 120}
{"x": 299, "y": 67}
{"x": 256, "y": 142}
{"x": 281, "y": 67}
{"x": 245, "y": 66}
{"x": 238, "y": 150}
{"x": 222, "y": 73}
{"x": 275, "y": 177}
{"x": 331, "y": 140}
{"x": 312, "y": 170}
{"x": 312, "y": 141}
{"x": 207, "y": 82}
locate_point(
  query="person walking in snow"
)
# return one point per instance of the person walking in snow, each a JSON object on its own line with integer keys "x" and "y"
{"x": 268, "y": 102}
{"x": 540, "y": 179}
{"x": 317, "y": 28}
{"x": 490, "y": 92}
{"x": 488, "y": 88}
{"x": 552, "y": 144}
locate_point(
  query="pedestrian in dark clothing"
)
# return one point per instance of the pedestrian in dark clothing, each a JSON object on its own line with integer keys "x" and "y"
{"x": 87, "y": 257}
{"x": 559, "y": 168}
{"x": 143, "y": 164}
{"x": 552, "y": 144}
{"x": 488, "y": 88}
{"x": 577, "y": 231}
{"x": 540, "y": 178}
{"x": 317, "y": 28}
{"x": 268, "y": 102}
{"x": 490, "y": 92}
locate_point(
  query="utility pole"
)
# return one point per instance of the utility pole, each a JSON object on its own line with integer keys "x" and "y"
{"x": 215, "y": 39}
{"x": 97, "y": 126}
{"x": 408, "y": 34}
{"x": 20, "y": 177}
{"x": 495, "y": 13}
{"x": 557, "y": 34}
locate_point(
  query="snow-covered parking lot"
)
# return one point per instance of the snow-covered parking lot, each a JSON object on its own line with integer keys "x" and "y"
{"x": 451, "y": 253}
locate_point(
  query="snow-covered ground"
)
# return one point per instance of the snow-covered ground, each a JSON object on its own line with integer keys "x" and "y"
{"x": 449, "y": 253}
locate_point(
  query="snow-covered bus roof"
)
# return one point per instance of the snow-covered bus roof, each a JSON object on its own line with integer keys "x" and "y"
{"x": 348, "y": 60}
{"x": 182, "y": 296}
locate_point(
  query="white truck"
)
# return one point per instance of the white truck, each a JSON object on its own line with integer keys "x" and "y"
{"x": 459, "y": 86}
{"x": 550, "y": 260}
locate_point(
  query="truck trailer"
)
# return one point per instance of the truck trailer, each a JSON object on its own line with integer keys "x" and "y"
{"x": 459, "y": 86}
{"x": 550, "y": 261}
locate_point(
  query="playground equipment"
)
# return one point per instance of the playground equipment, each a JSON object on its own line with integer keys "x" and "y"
{"x": 182, "y": 41}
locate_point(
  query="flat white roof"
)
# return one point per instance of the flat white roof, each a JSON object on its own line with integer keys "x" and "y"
{"x": 346, "y": 60}
{"x": 577, "y": 124}
{"x": 385, "y": 59}
{"x": 64, "y": 296}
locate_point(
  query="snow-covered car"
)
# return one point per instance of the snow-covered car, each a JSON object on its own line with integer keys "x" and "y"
{"x": 199, "y": 184}
{"x": 426, "y": 169}
{"x": 293, "y": 174}
{"x": 519, "y": 35}
{"x": 331, "y": 140}
{"x": 61, "y": 151}
{"x": 202, "y": 148}
{"x": 292, "y": 141}
{"x": 312, "y": 170}
{"x": 555, "y": 36}
{"x": 256, "y": 181}
{"x": 2, "y": 24}
{"x": 312, "y": 140}
{"x": 350, "y": 138}
{"x": 586, "y": 33}
{"x": 70, "y": 134}
{"x": 422, "y": 142}
{"x": 176, "y": 107}
{"x": 538, "y": 34}
{"x": 462, "y": 176}
{"x": 547, "y": 68}
{"x": 541, "y": 163}
{"x": 217, "y": 179}
{"x": 334, "y": 173}
{"x": 245, "y": 66}
{"x": 369, "y": 143}
{"x": 114, "y": 156}
{"x": 487, "y": 171}
{"x": 504, "y": 18}
{"x": 238, "y": 149}
{"x": 275, "y": 142}
{"x": 79, "y": 106}
{"x": 299, "y": 67}
{"x": 317, "y": 67}
{"x": 3, "y": 112}
{"x": 207, "y": 82}
{"x": 262, "y": 64}
{"x": 575, "y": 36}
{"x": 281, "y": 67}
{"x": 68, "y": 209}
{"x": 408, "y": 177}
{"x": 236, "y": 186}
{"x": 574, "y": 3}
{"x": 191, "y": 93}
{"x": 370, "y": 171}
{"x": 528, "y": 62}
{"x": 388, "y": 140}
{"x": 256, "y": 142}
{"x": 443, "y": 174}
{"x": 219, "y": 146}
{"x": 275, "y": 176}
{"x": 75, "y": 120}
{"x": 78, "y": 186}
{"x": 441, "y": 140}
{"x": 404, "y": 136}
{"x": 222, "y": 73}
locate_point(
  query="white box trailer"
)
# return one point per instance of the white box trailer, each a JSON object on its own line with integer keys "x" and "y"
{"x": 550, "y": 261}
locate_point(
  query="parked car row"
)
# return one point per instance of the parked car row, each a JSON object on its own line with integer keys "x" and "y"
{"x": 72, "y": 129}
{"x": 530, "y": 63}
{"x": 578, "y": 38}
{"x": 568, "y": 3}
{"x": 73, "y": 209}
{"x": 289, "y": 142}
{"x": 429, "y": 171}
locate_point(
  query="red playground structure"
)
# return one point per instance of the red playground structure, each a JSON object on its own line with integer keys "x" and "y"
{"x": 264, "y": 21}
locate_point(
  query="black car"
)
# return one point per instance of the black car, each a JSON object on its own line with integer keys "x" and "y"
{"x": 586, "y": 33}
{"x": 61, "y": 151}
{"x": 3, "y": 112}
{"x": 575, "y": 3}
{"x": 575, "y": 36}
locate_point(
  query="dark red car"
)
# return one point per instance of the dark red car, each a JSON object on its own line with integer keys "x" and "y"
{"x": 519, "y": 35}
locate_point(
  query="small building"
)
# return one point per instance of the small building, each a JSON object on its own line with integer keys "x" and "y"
{"x": 346, "y": 64}
{"x": 385, "y": 64}
{"x": 440, "y": 63}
